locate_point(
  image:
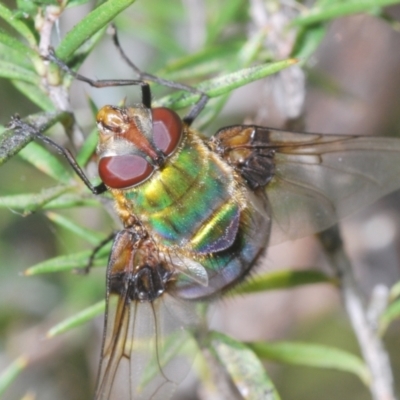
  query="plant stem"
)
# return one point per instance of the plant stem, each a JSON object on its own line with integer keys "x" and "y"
{"x": 371, "y": 346}
{"x": 51, "y": 79}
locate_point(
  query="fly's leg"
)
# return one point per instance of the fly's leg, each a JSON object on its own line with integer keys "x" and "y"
{"x": 102, "y": 83}
{"x": 198, "y": 106}
{"x": 86, "y": 269}
{"x": 143, "y": 77}
{"x": 17, "y": 123}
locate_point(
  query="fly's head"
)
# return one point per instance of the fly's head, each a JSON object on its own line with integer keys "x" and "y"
{"x": 134, "y": 142}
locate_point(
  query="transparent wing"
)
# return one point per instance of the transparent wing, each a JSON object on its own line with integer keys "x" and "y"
{"x": 148, "y": 344}
{"x": 311, "y": 180}
{"x": 322, "y": 178}
{"x": 148, "y": 349}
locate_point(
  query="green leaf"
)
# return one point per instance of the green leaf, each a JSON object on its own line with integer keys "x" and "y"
{"x": 78, "y": 319}
{"x": 15, "y": 57}
{"x": 88, "y": 148}
{"x": 71, "y": 200}
{"x": 66, "y": 223}
{"x": 243, "y": 367}
{"x": 282, "y": 279}
{"x": 17, "y": 46}
{"x": 90, "y": 143}
{"x": 17, "y": 24}
{"x": 312, "y": 355}
{"x": 251, "y": 48}
{"x": 27, "y": 7}
{"x": 11, "y": 372}
{"x": 340, "y": 9}
{"x": 93, "y": 108}
{"x": 200, "y": 60}
{"x": 69, "y": 262}
{"x": 88, "y": 26}
{"x": 200, "y": 70}
{"x": 24, "y": 5}
{"x": 307, "y": 41}
{"x": 14, "y": 71}
{"x": 224, "y": 84}
{"x": 32, "y": 201}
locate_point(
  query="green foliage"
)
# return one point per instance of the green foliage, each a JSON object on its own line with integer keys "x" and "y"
{"x": 11, "y": 373}
{"x": 228, "y": 53}
{"x": 312, "y": 355}
{"x": 282, "y": 279}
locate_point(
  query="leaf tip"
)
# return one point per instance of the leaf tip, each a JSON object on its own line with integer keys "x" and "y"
{"x": 49, "y": 334}
{"x": 27, "y": 272}
{"x": 23, "y": 361}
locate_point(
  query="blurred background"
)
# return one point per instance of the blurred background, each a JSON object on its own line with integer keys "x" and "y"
{"x": 351, "y": 85}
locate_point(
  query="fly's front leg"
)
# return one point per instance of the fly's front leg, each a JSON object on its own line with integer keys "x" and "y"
{"x": 142, "y": 81}
{"x": 102, "y": 83}
{"x": 18, "y": 124}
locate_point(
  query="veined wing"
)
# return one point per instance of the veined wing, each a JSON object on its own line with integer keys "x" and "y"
{"x": 311, "y": 180}
{"x": 148, "y": 343}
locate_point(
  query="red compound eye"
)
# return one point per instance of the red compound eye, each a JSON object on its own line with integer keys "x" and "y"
{"x": 120, "y": 172}
{"x": 167, "y": 129}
